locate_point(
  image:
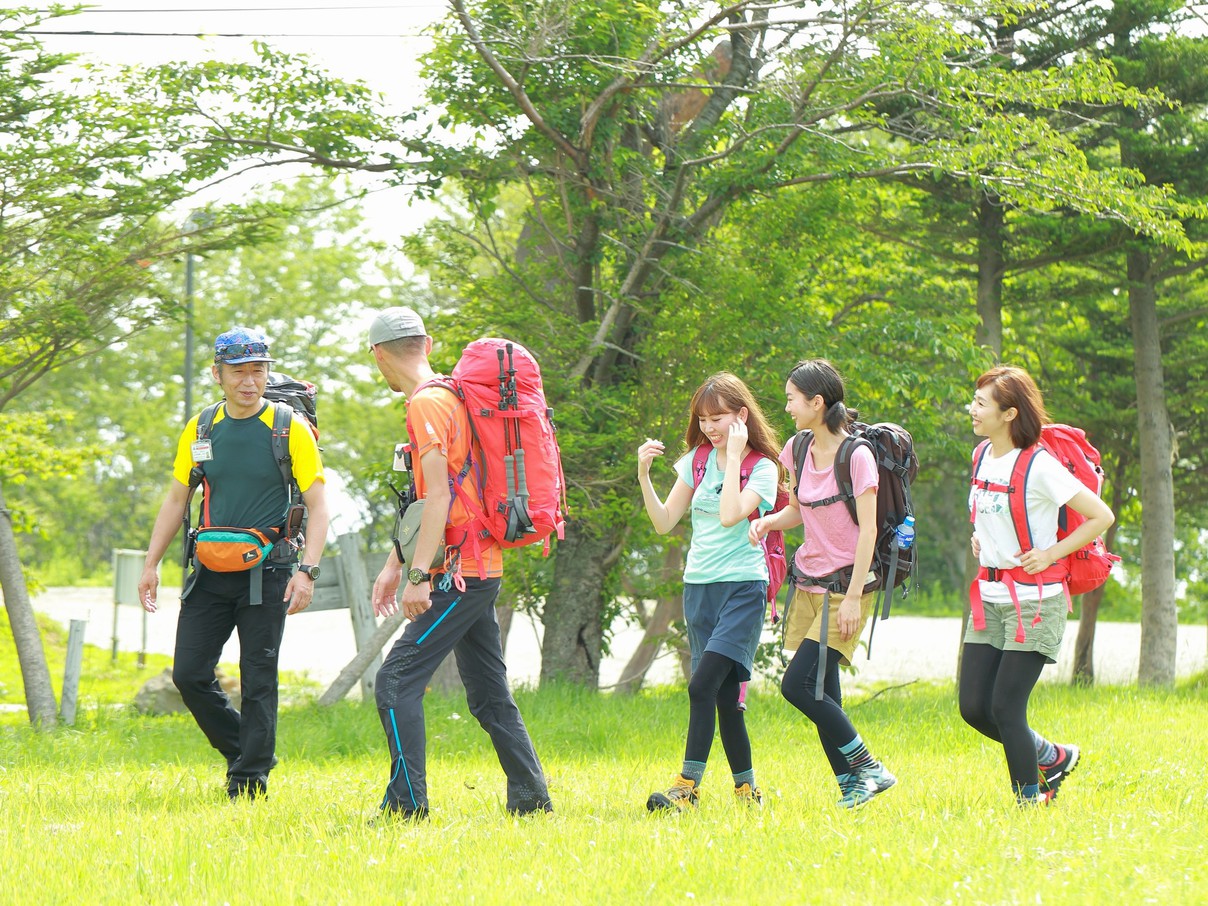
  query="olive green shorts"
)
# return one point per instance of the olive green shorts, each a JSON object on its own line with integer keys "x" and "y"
{"x": 804, "y": 621}
{"x": 1002, "y": 623}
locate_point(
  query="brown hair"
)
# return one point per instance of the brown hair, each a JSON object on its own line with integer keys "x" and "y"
{"x": 1013, "y": 388}
{"x": 724, "y": 392}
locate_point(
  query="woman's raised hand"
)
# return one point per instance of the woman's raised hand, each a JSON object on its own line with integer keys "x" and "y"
{"x": 646, "y": 454}
{"x": 737, "y": 441}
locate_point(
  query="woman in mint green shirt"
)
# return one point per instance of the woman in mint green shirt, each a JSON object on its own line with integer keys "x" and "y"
{"x": 729, "y": 471}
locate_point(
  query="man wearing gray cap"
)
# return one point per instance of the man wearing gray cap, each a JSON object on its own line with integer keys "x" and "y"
{"x": 444, "y": 617}
{"x": 244, "y": 488}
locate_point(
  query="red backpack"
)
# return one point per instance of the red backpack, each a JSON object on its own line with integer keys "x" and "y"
{"x": 773, "y": 543}
{"x": 514, "y": 459}
{"x": 1087, "y": 568}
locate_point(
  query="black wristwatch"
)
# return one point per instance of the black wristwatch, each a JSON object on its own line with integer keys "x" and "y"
{"x": 312, "y": 571}
{"x": 417, "y": 576}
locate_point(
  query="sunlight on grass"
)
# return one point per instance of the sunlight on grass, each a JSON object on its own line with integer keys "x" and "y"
{"x": 126, "y": 808}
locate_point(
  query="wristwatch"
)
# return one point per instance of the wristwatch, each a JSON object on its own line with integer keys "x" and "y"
{"x": 312, "y": 571}
{"x": 417, "y": 576}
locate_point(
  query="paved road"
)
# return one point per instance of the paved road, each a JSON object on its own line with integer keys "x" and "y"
{"x": 320, "y": 644}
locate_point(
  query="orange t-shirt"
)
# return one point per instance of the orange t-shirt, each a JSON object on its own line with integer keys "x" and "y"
{"x": 436, "y": 419}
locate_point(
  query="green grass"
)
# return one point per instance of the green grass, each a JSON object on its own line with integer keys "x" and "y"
{"x": 123, "y": 808}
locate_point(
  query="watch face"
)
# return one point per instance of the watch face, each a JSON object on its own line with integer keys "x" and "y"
{"x": 417, "y": 576}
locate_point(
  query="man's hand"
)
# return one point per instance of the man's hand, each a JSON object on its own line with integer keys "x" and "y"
{"x": 299, "y": 592}
{"x": 148, "y": 588}
{"x": 385, "y": 588}
{"x": 417, "y": 599}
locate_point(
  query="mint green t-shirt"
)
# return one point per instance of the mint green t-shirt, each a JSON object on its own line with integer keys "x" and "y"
{"x": 718, "y": 553}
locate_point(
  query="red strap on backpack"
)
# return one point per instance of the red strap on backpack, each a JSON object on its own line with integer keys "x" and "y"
{"x": 1017, "y": 506}
{"x": 774, "y": 554}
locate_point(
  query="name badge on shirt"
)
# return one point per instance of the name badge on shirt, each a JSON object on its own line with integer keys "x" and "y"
{"x": 202, "y": 450}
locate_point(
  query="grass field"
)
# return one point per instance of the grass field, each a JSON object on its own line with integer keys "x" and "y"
{"x": 129, "y": 809}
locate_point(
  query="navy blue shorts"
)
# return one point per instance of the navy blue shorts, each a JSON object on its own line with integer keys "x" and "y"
{"x": 727, "y": 618}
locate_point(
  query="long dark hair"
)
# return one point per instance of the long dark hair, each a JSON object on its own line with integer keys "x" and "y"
{"x": 1013, "y": 388}
{"x": 818, "y": 377}
{"x": 724, "y": 392}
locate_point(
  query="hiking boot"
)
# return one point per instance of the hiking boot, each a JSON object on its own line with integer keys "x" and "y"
{"x": 1052, "y": 775}
{"x": 533, "y": 807}
{"x": 864, "y": 784}
{"x": 682, "y": 796}
{"x": 752, "y": 797}
{"x": 387, "y": 817}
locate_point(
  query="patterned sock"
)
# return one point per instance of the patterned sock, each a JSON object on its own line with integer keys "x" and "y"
{"x": 745, "y": 777}
{"x": 1027, "y": 793}
{"x": 857, "y": 754}
{"x": 1046, "y": 752}
{"x": 694, "y": 771}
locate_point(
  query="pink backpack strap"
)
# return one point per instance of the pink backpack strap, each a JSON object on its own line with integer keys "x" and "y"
{"x": 700, "y": 458}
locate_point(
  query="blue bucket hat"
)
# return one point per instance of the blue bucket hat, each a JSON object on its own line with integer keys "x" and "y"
{"x": 239, "y": 345}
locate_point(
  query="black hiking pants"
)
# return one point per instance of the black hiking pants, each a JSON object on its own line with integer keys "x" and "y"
{"x": 464, "y": 623}
{"x": 214, "y": 607}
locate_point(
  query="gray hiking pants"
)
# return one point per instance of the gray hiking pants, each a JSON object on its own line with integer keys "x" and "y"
{"x": 462, "y": 622}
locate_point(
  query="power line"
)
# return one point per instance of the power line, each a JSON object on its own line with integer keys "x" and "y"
{"x": 256, "y": 9}
{"x": 208, "y": 34}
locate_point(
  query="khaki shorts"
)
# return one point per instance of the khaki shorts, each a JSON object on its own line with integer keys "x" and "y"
{"x": 804, "y": 621}
{"x": 1002, "y": 621}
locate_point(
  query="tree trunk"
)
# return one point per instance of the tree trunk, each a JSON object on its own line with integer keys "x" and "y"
{"x": 1084, "y": 644}
{"x": 1159, "y": 614}
{"x": 39, "y": 693}
{"x": 669, "y": 606}
{"x": 573, "y": 615}
{"x": 990, "y": 269}
{"x": 1088, "y": 617}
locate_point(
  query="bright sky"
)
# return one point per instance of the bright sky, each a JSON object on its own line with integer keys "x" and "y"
{"x": 378, "y": 43}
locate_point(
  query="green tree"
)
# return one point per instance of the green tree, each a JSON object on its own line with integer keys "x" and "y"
{"x": 89, "y": 169}
{"x": 636, "y": 131}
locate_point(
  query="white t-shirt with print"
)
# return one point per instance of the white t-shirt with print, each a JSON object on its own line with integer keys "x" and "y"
{"x": 1049, "y": 487}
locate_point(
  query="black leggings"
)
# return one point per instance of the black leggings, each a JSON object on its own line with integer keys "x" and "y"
{"x": 799, "y": 686}
{"x": 995, "y": 688}
{"x": 713, "y": 690}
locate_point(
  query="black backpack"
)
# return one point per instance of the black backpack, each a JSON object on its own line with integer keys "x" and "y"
{"x": 897, "y": 465}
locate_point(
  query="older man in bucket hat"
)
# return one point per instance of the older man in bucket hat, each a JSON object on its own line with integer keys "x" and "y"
{"x": 243, "y": 489}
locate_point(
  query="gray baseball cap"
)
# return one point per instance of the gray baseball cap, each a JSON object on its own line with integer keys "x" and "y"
{"x": 395, "y": 324}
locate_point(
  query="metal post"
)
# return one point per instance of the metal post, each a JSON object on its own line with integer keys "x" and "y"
{"x": 72, "y": 670}
{"x": 189, "y": 333}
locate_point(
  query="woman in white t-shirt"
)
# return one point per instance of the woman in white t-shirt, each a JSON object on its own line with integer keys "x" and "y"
{"x": 835, "y": 558}
{"x": 1020, "y": 632}
{"x": 727, "y": 440}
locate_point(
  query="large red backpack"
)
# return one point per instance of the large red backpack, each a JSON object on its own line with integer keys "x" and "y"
{"x": 1088, "y": 567}
{"x": 514, "y": 463}
{"x": 773, "y": 543}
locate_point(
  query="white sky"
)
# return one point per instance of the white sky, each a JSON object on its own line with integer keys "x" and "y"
{"x": 373, "y": 41}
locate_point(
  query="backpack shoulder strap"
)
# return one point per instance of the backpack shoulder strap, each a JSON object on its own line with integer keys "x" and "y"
{"x": 700, "y": 457}
{"x": 205, "y": 424}
{"x": 847, "y": 448}
{"x": 749, "y": 462}
{"x": 1017, "y": 495}
{"x": 205, "y": 421}
{"x": 801, "y": 446}
{"x": 283, "y": 418}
